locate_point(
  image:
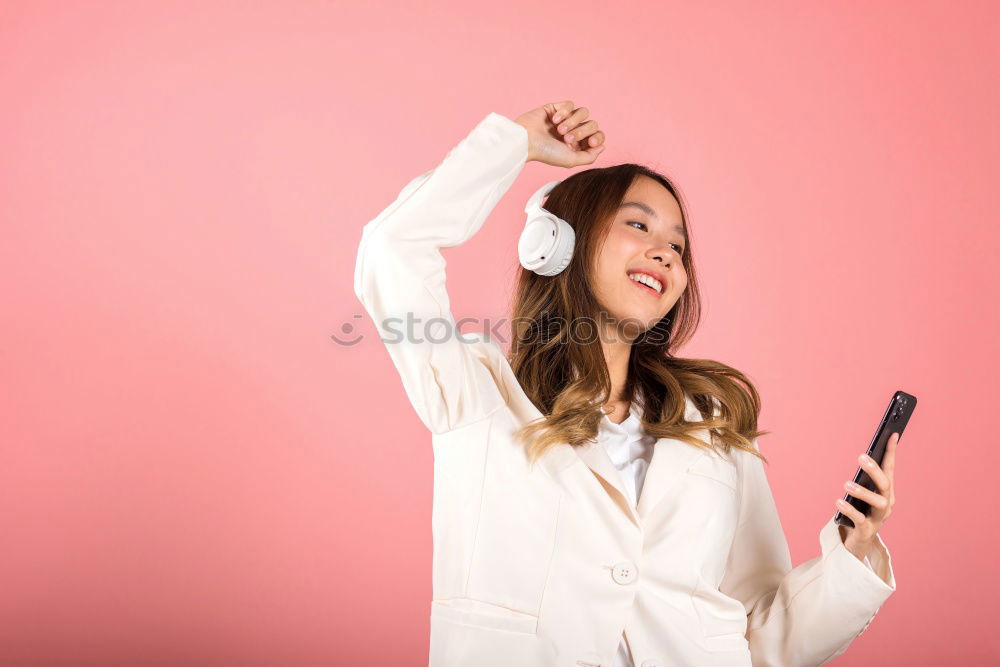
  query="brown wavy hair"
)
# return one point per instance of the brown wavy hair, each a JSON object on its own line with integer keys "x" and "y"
{"x": 568, "y": 380}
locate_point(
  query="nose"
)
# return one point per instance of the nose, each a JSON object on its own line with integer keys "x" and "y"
{"x": 661, "y": 256}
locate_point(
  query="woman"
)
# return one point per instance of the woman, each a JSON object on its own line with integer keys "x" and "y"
{"x": 546, "y": 551}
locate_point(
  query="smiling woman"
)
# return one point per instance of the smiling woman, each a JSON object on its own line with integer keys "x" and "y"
{"x": 542, "y": 554}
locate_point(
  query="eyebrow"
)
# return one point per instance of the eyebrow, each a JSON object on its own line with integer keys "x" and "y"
{"x": 651, "y": 213}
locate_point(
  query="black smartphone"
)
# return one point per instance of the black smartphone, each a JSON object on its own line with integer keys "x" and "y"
{"x": 893, "y": 421}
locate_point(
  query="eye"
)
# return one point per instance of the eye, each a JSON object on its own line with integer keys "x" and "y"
{"x": 679, "y": 248}
{"x": 636, "y": 222}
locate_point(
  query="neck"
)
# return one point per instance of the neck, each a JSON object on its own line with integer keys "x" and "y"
{"x": 616, "y": 356}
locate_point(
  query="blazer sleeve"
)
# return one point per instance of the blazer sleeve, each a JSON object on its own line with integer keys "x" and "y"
{"x": 400, "y": 274}
{"x": 810, "y": 614}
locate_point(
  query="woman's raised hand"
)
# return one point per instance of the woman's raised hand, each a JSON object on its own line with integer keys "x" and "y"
{"x": 560, "y": 134}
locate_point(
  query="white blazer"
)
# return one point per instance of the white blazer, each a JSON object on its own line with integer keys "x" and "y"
{"x": 547, "y": 565}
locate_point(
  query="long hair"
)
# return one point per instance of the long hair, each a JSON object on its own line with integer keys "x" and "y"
{"x": 561, "y": 366}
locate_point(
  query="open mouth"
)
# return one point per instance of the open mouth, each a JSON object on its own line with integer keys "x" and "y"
{"x": 651, "y": 286}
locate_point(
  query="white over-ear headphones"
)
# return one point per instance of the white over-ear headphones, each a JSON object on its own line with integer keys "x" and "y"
{"x": 546, "y": 243}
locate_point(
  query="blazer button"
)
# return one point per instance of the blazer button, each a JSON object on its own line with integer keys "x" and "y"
{"x": 648, "y": 663}
{"x": 623, "y": 572}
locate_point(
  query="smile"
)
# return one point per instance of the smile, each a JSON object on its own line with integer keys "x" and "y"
{"x": 653, "y": 287}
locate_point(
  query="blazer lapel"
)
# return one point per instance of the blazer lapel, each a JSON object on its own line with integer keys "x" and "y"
{"x": 561, "y": 456}
{"x": 596, "y": 458}
{"x": 671, "y": 458}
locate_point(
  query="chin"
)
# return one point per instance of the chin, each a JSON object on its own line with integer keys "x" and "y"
{"x": 648, "y": 314}
{"x": 639, "y": 321}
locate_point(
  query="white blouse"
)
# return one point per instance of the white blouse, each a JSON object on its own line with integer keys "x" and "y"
{"x": 630, "y": 449}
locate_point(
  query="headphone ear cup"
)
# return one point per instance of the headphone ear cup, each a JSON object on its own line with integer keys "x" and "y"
{"x": 546, "y": 245}
{"x": 547, "y": 241}
{"x": 563, "y": 251}
{"x": 535, "y": 242}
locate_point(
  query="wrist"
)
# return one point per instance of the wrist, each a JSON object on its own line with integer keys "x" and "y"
{"x": 531, "y": 144}
{"x": 858, "y": 550}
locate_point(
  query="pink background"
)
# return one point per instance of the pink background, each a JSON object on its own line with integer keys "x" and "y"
{"x": 192, "y": 472}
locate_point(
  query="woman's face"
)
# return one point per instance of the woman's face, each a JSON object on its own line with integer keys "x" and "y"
{"x": 646, "y": 235}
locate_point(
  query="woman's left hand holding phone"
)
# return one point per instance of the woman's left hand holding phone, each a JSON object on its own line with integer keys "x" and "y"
{"x": 860, "y": 539}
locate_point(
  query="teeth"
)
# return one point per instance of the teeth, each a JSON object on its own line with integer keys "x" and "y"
{"x": 647, "y": 280}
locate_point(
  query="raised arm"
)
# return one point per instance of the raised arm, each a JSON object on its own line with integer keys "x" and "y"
{"x": 400, "y": 274}
{"x": 810, "y": 614}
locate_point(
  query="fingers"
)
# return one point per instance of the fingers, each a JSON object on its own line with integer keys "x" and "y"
{"x": 881, "y": 503}
{"x": 867, "y": 495}
{"x": 570, "y": 127}
{"x": 579, "y": 133}
{"x": 849, "y": 510}
{"x": 889, "y": 460}
{"x": 889, "y": 466}
{"x": 878, "y": 476}
{"x": 575, "y": 127}
{"x": 587, "y": 134}
{"x": 561, "y": 110}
